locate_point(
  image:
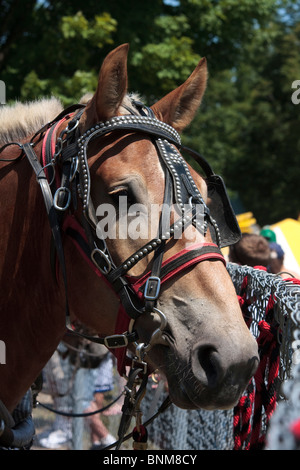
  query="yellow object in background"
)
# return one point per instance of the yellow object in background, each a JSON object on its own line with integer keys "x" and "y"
{"x": 288, "y": 237}
{"x": 246, "y": 222}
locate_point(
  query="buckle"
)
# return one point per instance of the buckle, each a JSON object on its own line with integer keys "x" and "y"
{"x": 149, "y": 287}
{"x": 115, "y": 341}
{"x": 139, "y": 363}
{"x": 105, "y": 269}
{"x": 62, "y": 191}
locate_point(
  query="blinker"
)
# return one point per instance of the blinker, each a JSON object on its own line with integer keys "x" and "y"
{"x": 225, "y": 230}
{"x": 221, "y": 211}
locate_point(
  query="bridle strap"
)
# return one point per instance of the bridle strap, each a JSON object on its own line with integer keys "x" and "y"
{"x": 51, "y": 212}
{"x": 131, "y": 123}
{"x": 63, "y": 114}
{"x": 117, "y": 276}
{"x": 189, "y": 258}
{"x": 180, "y": 261}
{"x": 202, "y": 162}
{"x": 153, "y": 282}
{"x": 177, "y": 175}
{"x": 55, "y": 225}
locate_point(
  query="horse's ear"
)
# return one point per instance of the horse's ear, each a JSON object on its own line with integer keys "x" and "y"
{"x": 180, "y": 105}
{"x": 111, "y": 89}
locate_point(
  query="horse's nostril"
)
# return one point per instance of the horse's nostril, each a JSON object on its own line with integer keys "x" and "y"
{"x": 219, "y": 368}
{"x": 208, "y": 369}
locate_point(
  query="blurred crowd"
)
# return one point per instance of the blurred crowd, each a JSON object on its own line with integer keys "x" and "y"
{"x": 261, "y": 250}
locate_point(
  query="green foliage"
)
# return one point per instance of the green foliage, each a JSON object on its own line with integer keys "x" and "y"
{"x": 176, "y": 53}
{"x": 248, "y": 127}
{"x": 81, "y": 33}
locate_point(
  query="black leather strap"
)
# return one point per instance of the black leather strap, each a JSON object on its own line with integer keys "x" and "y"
{"x": 188, "y": 256}
{"x": 51, "y": 212}
{"x": 112, "y": 341}
{"x": 153, "y": 283}
{"x": 120, "y": 285}
{"x": 63, "y": 113}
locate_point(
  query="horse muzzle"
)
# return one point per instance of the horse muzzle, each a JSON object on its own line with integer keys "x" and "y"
{"x": 213, "y": 378}
{"x": 222, "y": 377}
{"x": 203, "y": 369}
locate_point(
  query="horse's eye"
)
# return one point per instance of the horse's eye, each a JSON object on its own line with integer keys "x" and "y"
{"x": 124, "y": 193}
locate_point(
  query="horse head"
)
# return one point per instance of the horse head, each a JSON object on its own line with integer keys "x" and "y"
{"x": 190, "y": 325}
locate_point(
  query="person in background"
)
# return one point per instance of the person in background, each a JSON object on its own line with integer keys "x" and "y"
{"x": 78, "y": 374}
{"x": 57, "y": 376}
{"x": 103, "y": 382}
{"x": 251, "y": 250}
{"x": 268, "y": 234}
{"x": 277, "y": 263}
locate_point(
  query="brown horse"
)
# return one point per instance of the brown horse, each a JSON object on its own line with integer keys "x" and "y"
{"x": 201, "y": 342}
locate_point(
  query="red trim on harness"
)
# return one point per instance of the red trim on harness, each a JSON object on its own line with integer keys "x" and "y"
{"x": 53, "y": 144}
{"x": 123, "y": 320}
{"x": 137, "y": 283}
{"x": 122, "y": 325}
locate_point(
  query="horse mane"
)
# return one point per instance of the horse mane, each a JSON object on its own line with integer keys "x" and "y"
{"x": 21, "y": 120}
{"x": 127, "y": 101}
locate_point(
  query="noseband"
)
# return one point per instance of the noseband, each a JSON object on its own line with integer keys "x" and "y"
{"x": 70, "y": 152}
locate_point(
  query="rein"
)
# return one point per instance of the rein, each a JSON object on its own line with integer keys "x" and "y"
{"x": 72, "y": 184}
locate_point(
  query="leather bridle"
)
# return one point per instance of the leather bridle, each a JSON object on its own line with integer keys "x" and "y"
{"x": 70, "y": 154}
{"x": 64, "y": 179}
